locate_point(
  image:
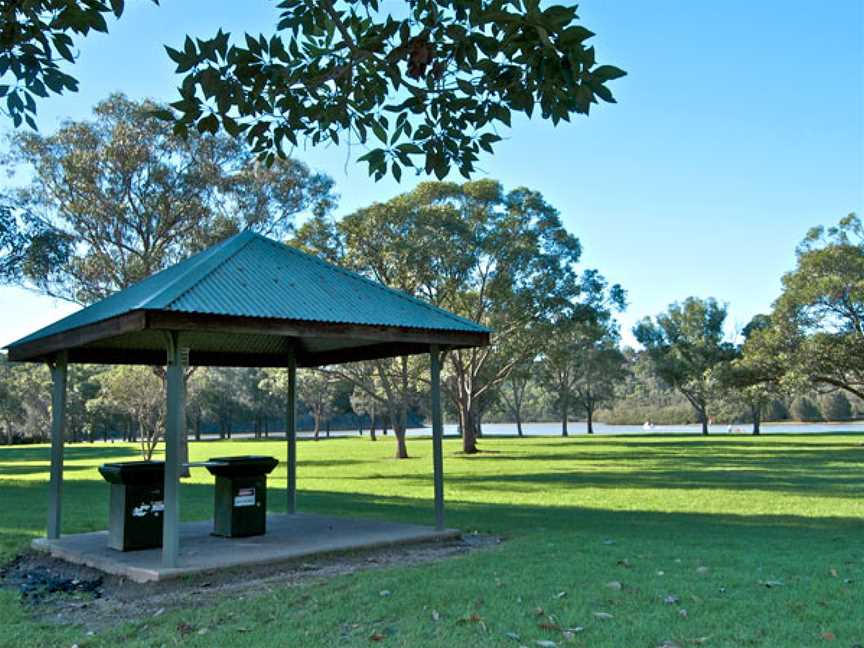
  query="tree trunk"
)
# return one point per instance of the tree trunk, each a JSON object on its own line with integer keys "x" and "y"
{"x": 197, "y": 427}
{"x": 466, "y": 423}
{"x": 317, "y": 430}
{"x": 372, "y": 436}
{"x": 757, "y": 419}
{"x": 519, "y": 425}
{"x": 704, "y": 424}
{"x": 400, "y": 428}
{"x": 565, "y": 411}
{"x": 401, "y": 446}
{"x": 590, "y": 420}
{"x": 327, "y": 428}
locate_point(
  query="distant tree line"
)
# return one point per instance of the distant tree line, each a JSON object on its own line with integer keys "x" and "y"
{"x": 127, "y": 403}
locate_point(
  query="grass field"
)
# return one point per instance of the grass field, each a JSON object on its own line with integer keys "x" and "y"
{"x": 755, "y": 542}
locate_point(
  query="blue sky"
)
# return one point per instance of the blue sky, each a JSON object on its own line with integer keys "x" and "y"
{"x": 738, "y": 127}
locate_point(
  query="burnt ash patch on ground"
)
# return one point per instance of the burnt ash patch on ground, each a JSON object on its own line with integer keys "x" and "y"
{"x": 38, "y": 578}
{"x": 56, "y": 591}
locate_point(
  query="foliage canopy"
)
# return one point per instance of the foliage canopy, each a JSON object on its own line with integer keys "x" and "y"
{"x": 426, "y": 86}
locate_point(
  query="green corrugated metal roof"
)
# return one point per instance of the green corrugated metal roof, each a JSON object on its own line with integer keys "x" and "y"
{"x": 249, "y": 275}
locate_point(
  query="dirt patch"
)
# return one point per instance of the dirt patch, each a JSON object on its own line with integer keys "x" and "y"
{"x": 60, "y": 592}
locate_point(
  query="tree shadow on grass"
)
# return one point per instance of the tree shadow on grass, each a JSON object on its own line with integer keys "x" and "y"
{"x": 813, "y": 473}
{"x": 834, "y": 482}
{"x": 777, "y": 461}
{"x": 524, "y": 520}
{"x": 10, "y": 471}
{"x": 70, "y": 453}
{"x": 331, "y": 463}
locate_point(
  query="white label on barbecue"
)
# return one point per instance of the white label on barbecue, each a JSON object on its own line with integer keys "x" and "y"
{"x": 245, "y": 497}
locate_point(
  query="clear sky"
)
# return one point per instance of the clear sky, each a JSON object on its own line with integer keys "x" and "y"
{"x": 738, "y": 128}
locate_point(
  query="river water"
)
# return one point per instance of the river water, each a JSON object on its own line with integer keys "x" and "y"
{"x": 576, "y": 428}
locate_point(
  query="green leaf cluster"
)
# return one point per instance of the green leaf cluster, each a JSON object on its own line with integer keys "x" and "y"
{"x": 35, "y": 38}
{"x": 427, "y": 90}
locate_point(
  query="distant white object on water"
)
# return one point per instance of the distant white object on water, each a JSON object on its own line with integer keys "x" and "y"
{"x": 648, "y": 425}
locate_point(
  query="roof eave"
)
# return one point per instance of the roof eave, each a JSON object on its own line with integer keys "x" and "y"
{"x": 44, "y": 347}
{"x": 380, "y": 341}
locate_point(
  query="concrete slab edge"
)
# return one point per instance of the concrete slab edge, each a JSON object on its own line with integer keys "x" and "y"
{"x": 142, "y": 575}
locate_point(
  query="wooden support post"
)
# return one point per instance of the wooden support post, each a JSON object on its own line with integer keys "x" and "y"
{"x": 174, "y": 427}
{"x": 58, "y": 432}
{"x": 291, "y": 432}
{"x": 437, "y": 436}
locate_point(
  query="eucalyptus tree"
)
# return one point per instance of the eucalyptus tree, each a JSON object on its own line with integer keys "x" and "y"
{"x": 380, "y": 244}
{"x": 423, "y": 84}
{"x": 556, "y": 372}
{"x": 82, "y": 386}
{"x": 136, "y": 392}
{"x": 580, "y": 361}
{"x": 26, "y": 401}
{"x": 315, "y": 389}
{"x": 836, "y": 407}
{"x": 514, "y": 389}
{"x": 362, "y": 404}
{"x": 753, "y": 379}
{"x": 501, "y": 259}
{"x": 598, "y": 367}
{"x": 687, "y": 350}
{"x": 389, "y": 386}
{"x": 220, "y": 396}
{"x": 11, "y": 406}
{"x": 111, "y": 200}
{"x": 818, "y": 320}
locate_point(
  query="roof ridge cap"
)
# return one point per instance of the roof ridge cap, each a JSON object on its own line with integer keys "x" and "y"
{"x": 399, "y": 293}
{"x": 208, "y": 263}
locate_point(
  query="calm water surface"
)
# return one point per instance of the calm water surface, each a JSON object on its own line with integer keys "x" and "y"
{"x": 579, "y": 428}
{"x": 576, "y": 428}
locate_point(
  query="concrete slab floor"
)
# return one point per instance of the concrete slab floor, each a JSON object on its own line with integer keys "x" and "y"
{"x": 288, "y": 537}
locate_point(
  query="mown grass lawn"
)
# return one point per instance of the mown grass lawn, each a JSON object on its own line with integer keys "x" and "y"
{"x": 705, "y": 521}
